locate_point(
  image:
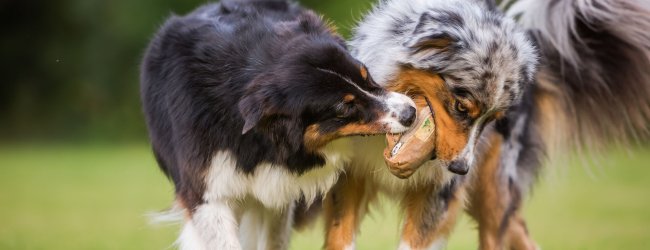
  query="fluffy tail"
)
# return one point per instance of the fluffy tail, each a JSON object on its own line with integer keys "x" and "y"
{"x": 173, "y": 215}
{"x": 594, "y": 81}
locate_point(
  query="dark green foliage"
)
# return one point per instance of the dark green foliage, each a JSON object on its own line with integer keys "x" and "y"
{"x": 70, "y": 68}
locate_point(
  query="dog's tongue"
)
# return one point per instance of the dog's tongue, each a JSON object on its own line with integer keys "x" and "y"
{"x": 406, "y": 152}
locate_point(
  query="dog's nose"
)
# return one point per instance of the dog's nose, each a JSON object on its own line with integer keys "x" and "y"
{"x": 407, "y": 117}
{"x": 458, "y": 167}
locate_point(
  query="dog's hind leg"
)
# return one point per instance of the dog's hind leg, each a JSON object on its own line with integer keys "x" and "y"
{"x": 344, "y": 205}
{"x": 431, "y": 215}
{"x": 213, "y": 225}
{"x": 495, "y": 203}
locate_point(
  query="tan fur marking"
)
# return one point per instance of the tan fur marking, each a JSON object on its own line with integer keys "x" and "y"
{"x": 438, "y": 43}
{"x": 489, "y": 201}
{"x": 517, "y": 235}
{"x": 314, "y": 140}
{"x": 359, "y": 129}
{"x": 451, "y": 137}
{"x": 499, "y": 115}
{"x": 342, "y": 206}
{"x": 487, "y": 204}
{"x": 364, "y": 72}
{"x": 415, "y": 205}
{"x": 472, "y": 109}
{"x": 348, "y": 98}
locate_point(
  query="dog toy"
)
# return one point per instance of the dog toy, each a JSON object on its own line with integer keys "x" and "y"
{"x": 407, "y": 151}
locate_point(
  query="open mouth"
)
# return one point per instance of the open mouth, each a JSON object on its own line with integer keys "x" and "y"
{"x": 405, "y": 152}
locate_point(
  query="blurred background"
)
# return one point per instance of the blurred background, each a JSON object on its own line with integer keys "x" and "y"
{"x": 71, "y": 67}
{"x": 76, "y": 171}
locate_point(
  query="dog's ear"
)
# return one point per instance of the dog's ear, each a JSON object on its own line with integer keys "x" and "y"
{"x": 261, "y": 101}
{"x": 431, "y": 46}
{"x": 258, "y": 103}
{"x": 251, "y": 110}
{"x": 265, "y": 108}
{"x": 431, "y": 39}
{"x": 431, "y": 42}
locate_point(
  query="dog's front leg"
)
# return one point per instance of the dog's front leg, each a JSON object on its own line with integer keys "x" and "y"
{"x": 213, "y": 225}
{"x": 495, "y": 202}
{"x": 431, "y": 215}
{"x": 343, "y": 212}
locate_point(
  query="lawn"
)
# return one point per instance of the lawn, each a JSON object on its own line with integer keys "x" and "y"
{"x": 96, "y": 197}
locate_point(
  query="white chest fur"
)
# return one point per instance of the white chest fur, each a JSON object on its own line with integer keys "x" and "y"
{"x": 274, "y": 186}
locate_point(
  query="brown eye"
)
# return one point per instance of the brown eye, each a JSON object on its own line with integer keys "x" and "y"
{"x": 460, "y": 107}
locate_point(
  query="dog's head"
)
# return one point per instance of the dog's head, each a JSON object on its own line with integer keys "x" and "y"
{"x": 316, "y": 93}
{"x": 469, "y": 62}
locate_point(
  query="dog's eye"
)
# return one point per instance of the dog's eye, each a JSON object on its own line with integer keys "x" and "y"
{"x": 343, "y": 110}
{"x": 460, "y": 107}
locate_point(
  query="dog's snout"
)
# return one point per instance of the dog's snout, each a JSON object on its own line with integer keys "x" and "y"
{"x": 458, "y": 167}
{"x": 399, "y": 112}
{"x": 407, "y": 117}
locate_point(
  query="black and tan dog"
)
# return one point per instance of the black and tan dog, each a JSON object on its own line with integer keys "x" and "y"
{"x": 244, "y": 101}
{"x": 495, "y": 117}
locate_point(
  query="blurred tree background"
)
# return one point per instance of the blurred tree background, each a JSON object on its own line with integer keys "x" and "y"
{"x": 70, "y": 68}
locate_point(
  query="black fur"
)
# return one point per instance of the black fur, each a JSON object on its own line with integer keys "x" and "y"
{"x": 448, "y": 192}
{"x": 249, "y": 78}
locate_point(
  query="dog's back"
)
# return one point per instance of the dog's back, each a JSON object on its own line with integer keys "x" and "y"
{"x": 216, "y": 42}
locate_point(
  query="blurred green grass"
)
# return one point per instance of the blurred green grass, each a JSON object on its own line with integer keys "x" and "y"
{"x": 96, "y": 197}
